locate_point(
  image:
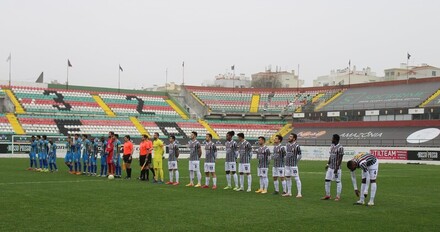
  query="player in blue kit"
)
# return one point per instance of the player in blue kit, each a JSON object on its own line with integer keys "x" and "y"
{"x": 33, "y": 154}
{"x": 85, "y": 151}
{"x": 68, "y": 159}
{"x": 102, "y": 145}
{"x": 77, "y": 142}
{"x": 52, "y": 156}
{"x": 94, "y": 157}
{"x": 39, "y": 153}
{"x": 117, "y": 156}
{"x": 45, "y": 150}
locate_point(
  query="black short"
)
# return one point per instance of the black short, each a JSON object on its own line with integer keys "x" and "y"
{"x": 142, "y": 159}
{"x": 127, "y": 159}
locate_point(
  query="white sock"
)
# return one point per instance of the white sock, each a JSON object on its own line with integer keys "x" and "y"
{"x": 362, "y": 196}
{"x": 283, "y": 183}
{"x": 191, "y": 177}
{"x": 214, "y": 181}
{"x": 171, "y": 176}
{"x": 199, "y": 176}
{"x": 367, "y": 184}
{"x": 276, "y": 184}
{"x": 261, "y": 183}
{"x": 242, "y": 181}
{"x": 228, "y": 179}
{"x": 207, "y": 180}
{"x": 266, "y": 183}
{"x": 338, "y": 188}
{"x": 236, "y": 179}
{"x": 177, "y": 176}
{"x": 327, "y": 187}
{"x": 289, "y": 185}
{"x": 249, "y": 182}
{"x": 298, "y": 184}
{"x": 373, "y": 192}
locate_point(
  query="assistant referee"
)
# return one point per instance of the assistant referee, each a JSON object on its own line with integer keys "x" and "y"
{"x": 128, "y": 152}
{"x": 145, "y": 156}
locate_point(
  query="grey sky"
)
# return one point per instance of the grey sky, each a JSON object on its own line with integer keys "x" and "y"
{"x": 146, "y": 37}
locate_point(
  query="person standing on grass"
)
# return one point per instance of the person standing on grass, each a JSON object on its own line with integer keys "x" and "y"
{"x": 72, "y": 151}
{"x": 45, "y": 151}
{"x": 173, "y": 154}
{"x": 103, "y": 153}
{"x": 263, "y": 155}
{"x": 117, "y": 156}
{"x": 293, "y": 156}
{"x": 279, "y": 152}
{"x": 85, "y": 151}
{"x": 110, "y": 149}
{"x": 157, "y": 158}
{"x": 209, "y": 167}
{"x": 77, "y": 157}
{"x": 128, "y": 153}
{"x": 33, "y": 154}
{"x": 52, "y": 156}
{"x": 39, "y": 153}
{"x": 94, "y": 157}
{"x": 334, "y": 169}
{"x": 145, "y": 148}
{"x": 231, "y": 160}
{"x": 195, "y": 152}
{"x": 245, "y": 152}
{"x": 68, "y": 159}
{"x": 370, "y": 167}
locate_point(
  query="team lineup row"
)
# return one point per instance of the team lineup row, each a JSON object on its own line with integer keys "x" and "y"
{"x": 285, "y": 162}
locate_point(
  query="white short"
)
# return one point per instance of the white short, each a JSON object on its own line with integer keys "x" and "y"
{"x": 330, "y": 175}
{"x": 262, "y": 172}
{"x": 172, "y": 165}
{"x": 230, "y": 166}
{"x": 194, "y": 165}
{"x": 244, "y": 168}
{"x": 277, "y": 172}
{"x": 209, "y": 167}
{"x": 291, "y": 171}
{"x": 372, "y": 171}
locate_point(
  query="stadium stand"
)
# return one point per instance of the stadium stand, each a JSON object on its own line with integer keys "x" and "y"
{"x": 56, "y": 110}
{"x": 277, "y": 100}
{"x": 224, "y": 99}
{"x": 133, "y": 105}
{"x": 5, "y": 125}
{"x": 55, "y": 101}
{"x": 380, "y": 97}
{"x": 254, "y": 100}
{"x": 433, "y": 100}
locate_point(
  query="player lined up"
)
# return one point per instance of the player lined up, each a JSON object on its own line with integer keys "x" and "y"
{"x": 45, "y": 151}
{"x": 285, "y": 162}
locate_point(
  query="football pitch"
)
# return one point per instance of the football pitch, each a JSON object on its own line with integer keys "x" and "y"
{"x": 407, "y": 199}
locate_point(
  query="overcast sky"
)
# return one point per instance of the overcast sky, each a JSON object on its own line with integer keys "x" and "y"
{"x": 146, "y": 37}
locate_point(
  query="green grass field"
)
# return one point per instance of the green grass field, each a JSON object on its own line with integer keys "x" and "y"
{"x": 407, "y": 200}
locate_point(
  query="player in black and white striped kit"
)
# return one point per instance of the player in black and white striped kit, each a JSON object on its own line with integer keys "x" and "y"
{"x": 195, "y": 152}
{"x": 210, "y": 156}
{"x": 263, "y": 155}
{"x": 370, "y": 167}
{"x": 231, "y": 160}
{"x": 244, "y": 167}
{"x": 279, "y": 152}
{"x": 334, "y": 168}
{"x": 173, "y": 155}
{"x": 293, "y": 156}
